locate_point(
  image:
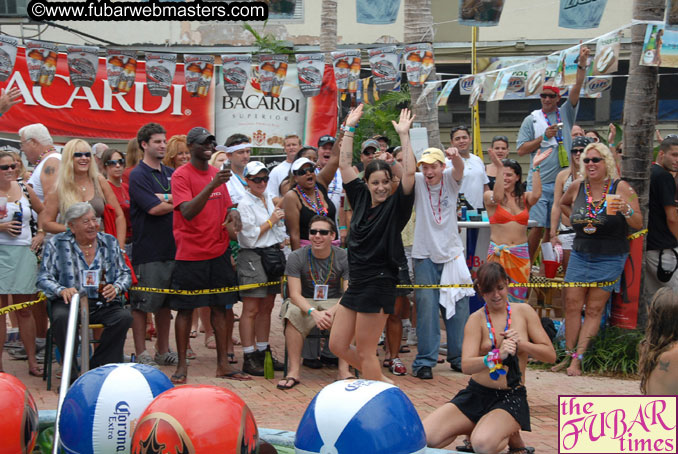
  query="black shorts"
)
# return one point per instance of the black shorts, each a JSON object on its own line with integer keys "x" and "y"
{"x": 403, "y": 278}
{"x": 204, "y": 274}
{"x": 371, "y": 296}
{"x": 475, "y": 401}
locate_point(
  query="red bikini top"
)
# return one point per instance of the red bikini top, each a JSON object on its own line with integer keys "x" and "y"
{"x": 502, "y": 216}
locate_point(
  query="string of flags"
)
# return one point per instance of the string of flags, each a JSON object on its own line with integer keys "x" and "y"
{"x": 508, "y": 78}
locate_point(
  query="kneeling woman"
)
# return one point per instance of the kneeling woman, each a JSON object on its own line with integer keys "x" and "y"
{"x": 497, "y": 342}
{"x": 374, "y": 249}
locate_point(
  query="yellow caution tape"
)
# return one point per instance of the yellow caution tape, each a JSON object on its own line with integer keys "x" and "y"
{"x": 638, "y": 234}
{"x": 211, "y": 291}
{"x": 19, "y": 306}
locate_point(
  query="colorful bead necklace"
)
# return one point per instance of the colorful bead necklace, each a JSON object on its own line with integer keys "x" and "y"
{"x": 318, "y": 207}
{"x": 493, "y": 359}
{"x": 594, "y": 209}
{"x": 439, "y": 218}
{"x": 316, "y": 274}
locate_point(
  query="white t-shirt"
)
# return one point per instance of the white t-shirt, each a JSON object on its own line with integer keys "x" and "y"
{"x": 34, "y": 180}
{"x": 236, "y": 188}
{"x": 334, "y": 191}
{"x": 277, "y": 175}
{"x": 436, "y": 235}
{"x": 472, "y": 186}
{"x": 24, "y": 239}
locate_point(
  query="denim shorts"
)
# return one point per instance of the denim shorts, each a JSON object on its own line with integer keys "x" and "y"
{"x": 541, "y": 211}
{"x": 584, "y": 267}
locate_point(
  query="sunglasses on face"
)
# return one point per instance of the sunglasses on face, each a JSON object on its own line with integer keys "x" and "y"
{"x": 369, "y": 152}
{"x": 304, "y": 171}
{"x": 8, "y": 166}
{"x": 577, "y": 150}
{"x": 548, "y": 95}
{"x": 81, "y": 154}
{"x": 593, "y": 160}
{"x": 258, "y": 180}
{"x": 112, "y": 162}
{"x": 323, "y": 232}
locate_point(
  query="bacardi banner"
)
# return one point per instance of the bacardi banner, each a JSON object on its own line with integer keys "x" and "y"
{"x": 264, "y": 119}
{"x": 99, "y": 112}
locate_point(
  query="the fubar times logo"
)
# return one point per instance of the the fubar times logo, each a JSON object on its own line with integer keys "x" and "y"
{"x": 617, "y": 424}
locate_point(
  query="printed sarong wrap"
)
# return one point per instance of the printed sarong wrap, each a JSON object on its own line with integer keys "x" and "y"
{"x": 516, "y": 262}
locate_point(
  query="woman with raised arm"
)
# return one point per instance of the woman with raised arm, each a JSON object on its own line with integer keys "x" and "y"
{"x": 374, "y": 248}
{"x": 509, "y": 210}
{"x": 497, "y": 342}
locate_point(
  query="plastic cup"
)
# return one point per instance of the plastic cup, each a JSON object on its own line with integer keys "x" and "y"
{"x": 611, "y": 199}
{"x": 550, "y": 268}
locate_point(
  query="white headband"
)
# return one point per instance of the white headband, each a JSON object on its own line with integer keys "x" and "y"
{"x": 240, "y": 146}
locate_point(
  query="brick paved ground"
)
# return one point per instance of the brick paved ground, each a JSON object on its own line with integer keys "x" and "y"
{"x": 277, "y": 409}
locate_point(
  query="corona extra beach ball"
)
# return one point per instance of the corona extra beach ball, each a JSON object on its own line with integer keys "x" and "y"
{"x": 19, "y": 427}
{"x": 102, "y": 407}
{"x": 352, "y": 416}
{"x": 196, "y": 419}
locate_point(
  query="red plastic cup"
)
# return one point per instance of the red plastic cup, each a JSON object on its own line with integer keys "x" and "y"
{"x": 551, "y": 268}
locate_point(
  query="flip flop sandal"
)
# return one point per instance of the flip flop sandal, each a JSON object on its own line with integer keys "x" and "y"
{"x": 178, "y": 379}
{"x": 523, "y": 450}
{"x": 237, "y": 375}
{"x": 404, "y": 349}
{"x": 231, "y": 358}
{"x": 466, "y": 447}
{"x": 287, "y": 386}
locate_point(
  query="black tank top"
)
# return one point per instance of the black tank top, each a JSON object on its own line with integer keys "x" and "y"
{"x": 610, "y": 237}
{"x": 306, "y": 213}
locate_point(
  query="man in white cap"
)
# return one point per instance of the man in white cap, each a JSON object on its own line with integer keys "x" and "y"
{"x": 438, "y": 255}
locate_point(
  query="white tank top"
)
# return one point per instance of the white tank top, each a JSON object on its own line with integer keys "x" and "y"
{"x": 34, "y": 181}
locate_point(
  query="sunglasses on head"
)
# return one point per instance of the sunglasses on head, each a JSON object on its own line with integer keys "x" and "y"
{"x": 576, "y": 150}
{"x": 8, "y": 166}
{"x": 258, "y": 180}
{"x": 548, "y": 95}
{"x": 593, "y": 160}
{"x": 115, "y": 162}
{"x": 323, "y": 232}
{"x": 82, "y": 154}
{"x": 304, "y": 171}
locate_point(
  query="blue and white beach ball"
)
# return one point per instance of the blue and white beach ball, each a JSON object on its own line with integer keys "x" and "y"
{"x": 103, "y": 405}
{"x": 360, "y": 416}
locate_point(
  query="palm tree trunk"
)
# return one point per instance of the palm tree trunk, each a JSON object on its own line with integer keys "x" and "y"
{"x": 419, "y": 28}
{"x": 640, "y": 116}
{"x": 328, "y": 29}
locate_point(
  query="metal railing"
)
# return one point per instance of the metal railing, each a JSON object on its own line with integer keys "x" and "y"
{"x": 78, "y": 305}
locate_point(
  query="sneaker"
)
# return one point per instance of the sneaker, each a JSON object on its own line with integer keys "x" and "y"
{"x": 407, "y": 326}
{"x": 168, "y": 358}
{"x": 412, "y": 337}
{"x": 146, "y": 358}
{"x": 397, "y": 367}
{"x": 18, "y": 353}
{"x": 251, "y": 364}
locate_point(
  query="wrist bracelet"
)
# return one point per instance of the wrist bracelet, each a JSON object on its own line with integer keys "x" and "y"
{"x": 581, "y": 67}
{"x": 233, "y": 209}
{"x": 348, "y": 128}
{"x": 269, "y": 223}
{"x": 342, "y": 227}
{"x": 348, "y": 135}
{"x": 166, "y": 197}
{"x": 546, "y": 139}
{"x": 310, "y": 310}
{"x": 536, "y": 169}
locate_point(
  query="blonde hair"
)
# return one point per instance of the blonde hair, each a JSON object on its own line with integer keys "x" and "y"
{"x": 606, "y": 154}
{"x": 67, "y": 191}
{"x": 660, "y": 333}
{"x": 20, "y": 169}
{"x": 214, "y": 157}
{"x": 133, "y": 153}
{"x": 173, "y": 147}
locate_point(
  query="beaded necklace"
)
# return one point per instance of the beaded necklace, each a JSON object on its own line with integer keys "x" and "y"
{"x": 165, "y": 189}
{"x": 316, "y": 274}
{"x": 322, "y": 211}
{"x": 493, "y": 359}
{"x": 439, "y": 218}
{"x": 559, "y": 134}
{"x": 594, "y": 209}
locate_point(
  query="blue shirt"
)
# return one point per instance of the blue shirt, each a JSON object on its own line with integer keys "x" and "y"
{"x": 152, "y": 237}
{"x": 63, "y": 264}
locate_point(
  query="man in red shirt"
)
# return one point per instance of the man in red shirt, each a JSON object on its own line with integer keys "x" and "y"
{"x": 204, "y": 220}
